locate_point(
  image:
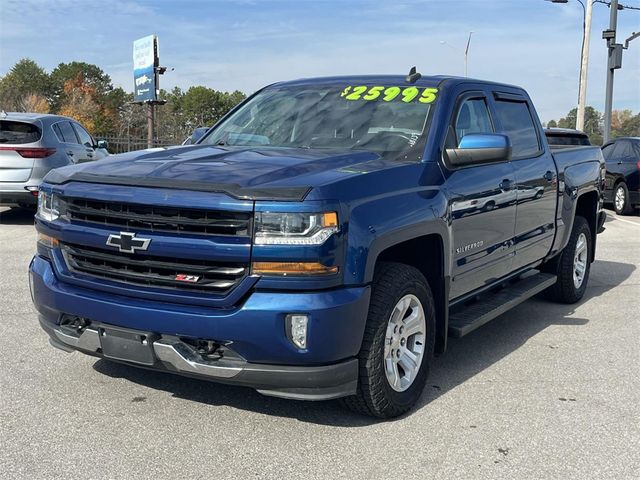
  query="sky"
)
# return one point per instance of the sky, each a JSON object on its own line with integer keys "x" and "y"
{"x": 243, "y": 44}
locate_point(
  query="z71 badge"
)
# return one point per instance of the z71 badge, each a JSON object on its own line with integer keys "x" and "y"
{"x": 181, "y": 277}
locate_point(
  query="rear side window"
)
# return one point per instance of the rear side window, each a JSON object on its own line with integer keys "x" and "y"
{"x": 568, "y": 140}
{"x": 517, "y": 123}
{"x": 65, "y": 133}
{"x": 19, "y": 132}
{"x": 607, "y": 151}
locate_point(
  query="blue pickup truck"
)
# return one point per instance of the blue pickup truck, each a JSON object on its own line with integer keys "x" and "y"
{"x": 322, "y": 240}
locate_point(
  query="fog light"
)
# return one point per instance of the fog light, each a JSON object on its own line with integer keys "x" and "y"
{"x": 297, "y": 329}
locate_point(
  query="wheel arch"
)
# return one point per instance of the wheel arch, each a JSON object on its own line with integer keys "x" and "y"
{"x": 427, "y": 254}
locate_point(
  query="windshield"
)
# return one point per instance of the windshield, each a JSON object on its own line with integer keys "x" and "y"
{"x": 388, "y": 120}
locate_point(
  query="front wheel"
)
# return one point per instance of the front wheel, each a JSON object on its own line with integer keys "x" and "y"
{"x": 398, "y": 343}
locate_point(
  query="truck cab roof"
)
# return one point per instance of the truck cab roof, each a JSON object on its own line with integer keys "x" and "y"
{"x": 428, "y": 80}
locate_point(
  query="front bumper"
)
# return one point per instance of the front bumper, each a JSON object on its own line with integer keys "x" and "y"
{"x": 255, "y": 333}
{"x": 170, "y": 354}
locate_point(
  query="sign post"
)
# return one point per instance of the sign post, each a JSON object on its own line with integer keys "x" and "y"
{"x": 146, "y": 71}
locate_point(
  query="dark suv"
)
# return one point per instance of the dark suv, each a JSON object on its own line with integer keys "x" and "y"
{"x": 622, "y": 157}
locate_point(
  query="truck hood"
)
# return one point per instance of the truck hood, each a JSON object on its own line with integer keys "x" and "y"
{"x": 259, "y": 173}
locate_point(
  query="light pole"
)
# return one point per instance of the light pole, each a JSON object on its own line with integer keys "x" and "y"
{"x": 466, "y": 52}
{"x": 584, "y": 61}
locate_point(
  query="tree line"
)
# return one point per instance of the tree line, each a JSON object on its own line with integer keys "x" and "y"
{"x": 83, "y": 91}
{"x": 623, "y": 123}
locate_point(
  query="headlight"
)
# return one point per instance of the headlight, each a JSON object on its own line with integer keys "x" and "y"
{"x": 48, "y": 206}
{"x": 295, "y": 228}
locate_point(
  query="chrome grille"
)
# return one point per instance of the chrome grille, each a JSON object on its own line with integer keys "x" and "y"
{"x": 130, "y": 216}
{"x": 146, "y": 270}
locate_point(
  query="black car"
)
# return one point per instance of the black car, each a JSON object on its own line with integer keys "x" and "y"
{"x": 622, "y": 157}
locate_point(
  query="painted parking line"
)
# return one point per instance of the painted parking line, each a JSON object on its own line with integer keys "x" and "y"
{"x": 625, "y": 221}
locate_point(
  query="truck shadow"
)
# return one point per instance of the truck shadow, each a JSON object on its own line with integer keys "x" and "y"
{"x": 16, "y": 216}
{"x": 465, "y": 358}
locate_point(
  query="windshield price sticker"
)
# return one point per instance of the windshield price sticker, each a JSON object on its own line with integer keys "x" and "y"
{"x": 388, "y": 94}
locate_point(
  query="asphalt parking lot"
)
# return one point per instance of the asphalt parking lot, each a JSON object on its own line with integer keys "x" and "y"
{"x": 544, "y": 391}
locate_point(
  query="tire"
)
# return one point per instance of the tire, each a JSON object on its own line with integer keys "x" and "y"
{"x": 375, "y": 395}
{"x": 621, "y": 204}
{"x": 566, "y": 289}
{"x": 489, "y": 206}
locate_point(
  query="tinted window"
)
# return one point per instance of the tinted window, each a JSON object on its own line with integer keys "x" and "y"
{"x": 607, "y": 151}
{"x": 83, "y": 135}
{"x": 67, "y": 134}
{"x": 568, "y": 140}
{"x": 18, "y": 132}
{"x": 518, "y": 125}
{"x": 56, "y": 130}
{"x": 625, "y": 151}
{"x": 619, "y": 151}
{"x": 473, "y": 117}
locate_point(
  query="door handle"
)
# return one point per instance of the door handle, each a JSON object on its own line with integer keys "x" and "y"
{"x": 505, "y": 184}
{"x": 90, "y": 154}
{"x": 70, "y": 153}
{"x": 548, "y": 176}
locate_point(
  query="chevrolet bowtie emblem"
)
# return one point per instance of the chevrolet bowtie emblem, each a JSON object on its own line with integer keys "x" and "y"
{"x": 128, "y": 242}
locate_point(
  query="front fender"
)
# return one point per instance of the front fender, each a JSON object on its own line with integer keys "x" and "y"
{"x": 379, "y": 224}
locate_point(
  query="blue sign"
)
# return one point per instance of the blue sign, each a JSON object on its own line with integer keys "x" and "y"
{"x": 145, "y": 60}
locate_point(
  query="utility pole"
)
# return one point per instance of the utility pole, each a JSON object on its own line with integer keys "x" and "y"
{"x": 466, "y": 56}
{"x": 584, "y": 66}
{"x": 614, "y": 60}
{"x": 150, "y": 124}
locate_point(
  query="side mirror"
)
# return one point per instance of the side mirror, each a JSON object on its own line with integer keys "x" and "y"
{"x": 197, "y": 134}
{"x": 102, "y": 144}
{"x": 478, "y": 148}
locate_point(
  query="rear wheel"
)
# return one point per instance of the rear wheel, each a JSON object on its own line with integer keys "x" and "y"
{"x": 398, "y": 343}
{"x": 621, "y": 203}
{"x": 573, "y": 266}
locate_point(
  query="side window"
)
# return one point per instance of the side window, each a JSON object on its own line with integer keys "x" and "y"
{"x": 607, "y": 152}
{"x": 67, "y": 132}
{"x": 619, "y": 151}
{"x": 626, "y": 151}
{"x": 83, "y": 135}
{"x": 58, "y": 132}
{"x": 518, "y": 124}
{"x": 472, "y": 116}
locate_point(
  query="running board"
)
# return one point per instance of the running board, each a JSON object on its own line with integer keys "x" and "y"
{"x": 465, "y": 319}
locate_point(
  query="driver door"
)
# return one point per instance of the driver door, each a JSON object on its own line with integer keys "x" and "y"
{"x": 482, "y": 202}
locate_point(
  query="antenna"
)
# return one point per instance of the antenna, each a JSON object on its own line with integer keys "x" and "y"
{"x": 413, "y": 76}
